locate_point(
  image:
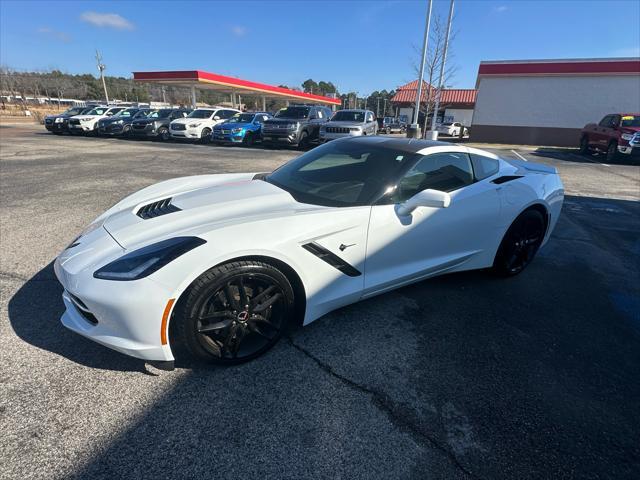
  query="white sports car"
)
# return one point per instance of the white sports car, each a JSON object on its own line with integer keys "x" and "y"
{"x": 221, "y": 263}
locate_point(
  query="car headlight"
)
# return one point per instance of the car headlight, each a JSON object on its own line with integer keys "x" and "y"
{"x": 355, "y": 129}
{"x": 627, "y": 136}
{"x": 144, "y": 261}
{"x": 118, "y": 122}
{"x": 236, "y": 130}
{"x": 292, "y": 126}
{"x": 59, "y": 120}
{"x": 194, "y": 125}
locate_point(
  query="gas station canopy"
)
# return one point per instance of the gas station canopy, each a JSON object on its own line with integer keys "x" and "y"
{"x": 197, "y": 79}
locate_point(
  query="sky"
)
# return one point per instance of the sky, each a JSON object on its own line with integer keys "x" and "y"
{"x": 360, "y": 46}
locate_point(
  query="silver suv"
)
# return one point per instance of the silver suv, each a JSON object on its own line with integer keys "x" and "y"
{"x": 349, "y": 123}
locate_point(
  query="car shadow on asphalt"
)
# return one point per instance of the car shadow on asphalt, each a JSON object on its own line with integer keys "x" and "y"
{"x": 574, "y": 156}
{"x": 34, "y": 313}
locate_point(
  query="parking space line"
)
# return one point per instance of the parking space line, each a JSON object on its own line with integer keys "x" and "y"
{"x": 520, "y": 156}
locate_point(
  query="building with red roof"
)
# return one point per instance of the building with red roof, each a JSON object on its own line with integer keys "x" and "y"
{"x": 456, "y": 105}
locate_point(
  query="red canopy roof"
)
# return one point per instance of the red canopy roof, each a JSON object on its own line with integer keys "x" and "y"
{"x": 222, "y": 83}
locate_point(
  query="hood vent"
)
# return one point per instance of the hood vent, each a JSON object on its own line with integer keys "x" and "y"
{"x": 156, "y": 209}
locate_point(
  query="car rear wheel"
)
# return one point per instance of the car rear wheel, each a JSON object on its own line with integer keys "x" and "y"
{"x": 235, "y": 312}
{"x": 520, "y": 244}
{"x": 612, "y": 151}
{"x": 584, "y": 145}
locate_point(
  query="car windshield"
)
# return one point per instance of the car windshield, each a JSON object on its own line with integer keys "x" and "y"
{"x": 74, "y": 111}
{"x": 97, "y": 111}
{"x": 293, "y": 112}
{"x": 165, "y": 112}
{"x": 141, "y": 113}
{"x": 126, "y": 113}
{"x": 242, "y": 118}
{"x": 347, "y": 116}
{"x": 631, "y": 121}
{"x": 341, "y": 174}
{"x": 200, "y": 114}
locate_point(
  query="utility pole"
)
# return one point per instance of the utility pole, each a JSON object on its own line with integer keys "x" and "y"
{"x": 414, "y": 129}
{"x": 385, "y": 107}
{"x": 441, "y": 80}
{"x": 101, "y": 67}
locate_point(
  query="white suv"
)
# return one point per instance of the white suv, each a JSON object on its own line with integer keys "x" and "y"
{"x": 88, "y": 123}
{"x": 199, "y": 124}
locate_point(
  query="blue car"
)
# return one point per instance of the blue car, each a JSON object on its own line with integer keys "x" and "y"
{"x": 242, "y": 128}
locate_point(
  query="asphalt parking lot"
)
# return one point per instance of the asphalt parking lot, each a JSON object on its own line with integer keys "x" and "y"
{"x": 463, "y": 376}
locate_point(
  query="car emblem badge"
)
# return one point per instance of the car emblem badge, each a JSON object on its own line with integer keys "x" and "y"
{"x": 243, "y": 316}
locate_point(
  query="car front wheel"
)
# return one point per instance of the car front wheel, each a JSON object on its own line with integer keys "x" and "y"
{"x": 235, "y": 312}
{"x": 612, "y": 151}
{"x": 584, "y": 145}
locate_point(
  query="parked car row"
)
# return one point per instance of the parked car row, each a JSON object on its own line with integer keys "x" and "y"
{"x": 295, "y": 125}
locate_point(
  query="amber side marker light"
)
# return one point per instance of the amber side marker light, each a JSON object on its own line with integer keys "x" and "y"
{"x": 165, "y": 321}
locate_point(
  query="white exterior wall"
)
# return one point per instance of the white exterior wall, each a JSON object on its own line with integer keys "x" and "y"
{"x": 554, "y": 101}
{"x": 462, "y": 115}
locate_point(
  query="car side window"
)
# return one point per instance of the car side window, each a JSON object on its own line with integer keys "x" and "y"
{"x": 369, "y": 117}
{"x": 615, "y": 121}
{"x": 605, "y": 121}
{"x": 445, "y": 171}
{"x": 224, "y": 114}
{"x": 484, "y": 167}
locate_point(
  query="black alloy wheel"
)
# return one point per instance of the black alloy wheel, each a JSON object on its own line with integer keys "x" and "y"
{"x": 235, "y": 312}
{"x": 584, "y": 145}
{"x": 520, "y": 244}
{"x": 248, "y": 139}
{"x": 205, "y": 136}
{"x": 163, "y": 134}
{"x": 612, "y": 151}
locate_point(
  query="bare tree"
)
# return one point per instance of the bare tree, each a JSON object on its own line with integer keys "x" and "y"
{"x": 435, "y": 54}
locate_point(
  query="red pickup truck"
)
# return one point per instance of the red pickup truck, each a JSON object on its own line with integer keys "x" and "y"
{"x": 617, "y": 133}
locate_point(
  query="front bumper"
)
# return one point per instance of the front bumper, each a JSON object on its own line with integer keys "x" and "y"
{"x": 189, "y": 133}
{"x": 82, "y": 127}
{"x": 57, "y": 127}
{"x": 111, "y": 129}
{"x": 147, "y": 131}
{"x": 124, "y": 316}
{"x": 286, "y": 137}
{"x": 631, "y": 150}
{"x": 227, "y": 136}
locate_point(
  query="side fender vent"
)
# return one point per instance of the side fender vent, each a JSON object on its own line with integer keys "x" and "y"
{"x": 332, "y": 259}
{"x": 506, "y": 178}
{"x": 156, "y": 209}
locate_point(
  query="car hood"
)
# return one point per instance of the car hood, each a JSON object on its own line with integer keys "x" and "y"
{"x": 205, "y": 202}
{"x": 231, "y": 125}
{"x": 190, "y": 120}
{"x": 272, "y": 121}
{"x": 630, "y": 129}
{"x": 148, "y": 120}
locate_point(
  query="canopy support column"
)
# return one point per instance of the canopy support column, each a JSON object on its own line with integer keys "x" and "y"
{"x": 193, "y": 96}
{"x": 264, "y": 103}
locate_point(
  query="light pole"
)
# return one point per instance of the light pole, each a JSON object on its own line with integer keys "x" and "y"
{"x": 434, "y": 133}
{"x": 414, "y": 129}
{"x": 101, "y": 67}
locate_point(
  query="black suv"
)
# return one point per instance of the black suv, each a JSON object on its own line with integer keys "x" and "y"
{"x": 120, "y": 123}
{"x": 59, "y": 124}
{"x": 156, "y": 123}
{"x": 295, "y": 125}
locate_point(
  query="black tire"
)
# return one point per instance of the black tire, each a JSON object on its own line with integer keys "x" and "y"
{"x": 234, "y": 333}
{"x": 612, "y": 151}
{"x": 249, "y": 139}
{"x": 303, "y": 143}
{"x": 520, "y": 244}
{"x": 584, "y": 145}
{"x": 205, "y": 136}
{"x": 163, "y": 134}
